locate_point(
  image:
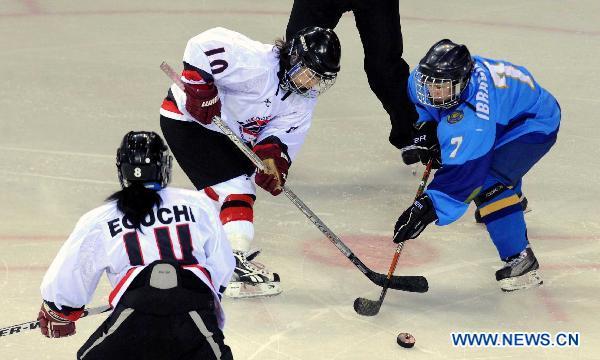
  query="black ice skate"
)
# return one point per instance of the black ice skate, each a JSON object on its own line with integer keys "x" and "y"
{"x": 520, "y": 272}
{"x": 251, "y": 279}
{"x": 524, "y": 204}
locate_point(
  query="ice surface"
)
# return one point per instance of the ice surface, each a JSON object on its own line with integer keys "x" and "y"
{"x": 78, "y": 75}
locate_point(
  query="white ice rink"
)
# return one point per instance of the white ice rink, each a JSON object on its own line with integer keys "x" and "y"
{"x": 76, "y": 75}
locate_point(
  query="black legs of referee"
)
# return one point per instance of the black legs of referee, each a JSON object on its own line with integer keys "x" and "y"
{"x": 378, "y": 23}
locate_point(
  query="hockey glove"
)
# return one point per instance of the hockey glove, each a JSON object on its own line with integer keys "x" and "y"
{"x": 425, "y": 146}
{"x": 203, "y": 102}
{"x": 414, "y": 219}
{"x": 55, "y": 323}
{"x": 274, "y": 156}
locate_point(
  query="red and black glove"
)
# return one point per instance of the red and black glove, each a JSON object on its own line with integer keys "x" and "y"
{"x": 273, "y": 153}
{"x": 55, "y": 323}
{"x": 203, "y": 102}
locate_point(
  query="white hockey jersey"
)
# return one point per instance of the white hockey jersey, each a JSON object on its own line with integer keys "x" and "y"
{"x": 186, "y": 227}
{"x": 245, "y": 74}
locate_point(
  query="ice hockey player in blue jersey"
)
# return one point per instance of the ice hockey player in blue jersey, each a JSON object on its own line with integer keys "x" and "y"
{"x": 484, "y": 123}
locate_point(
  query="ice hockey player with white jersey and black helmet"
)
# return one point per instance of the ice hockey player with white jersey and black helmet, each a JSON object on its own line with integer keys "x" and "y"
{"x": 166, "y": 256}
{"x": 266, "y": 94}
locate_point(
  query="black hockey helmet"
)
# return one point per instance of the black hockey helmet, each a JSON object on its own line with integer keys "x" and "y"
{"x": 446, "y": 64}
{"x": 144, "y": 158}
{"x": 316, "y": 49}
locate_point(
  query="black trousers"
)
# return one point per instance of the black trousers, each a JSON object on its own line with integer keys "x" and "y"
{"x": 378, "y": 23}
{"x": 155, "y": 324}
{"x": 207, "y": 157}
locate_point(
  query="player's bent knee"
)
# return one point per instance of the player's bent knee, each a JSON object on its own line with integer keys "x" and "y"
{"x": 237, "y": 207}
{"x": 496, "y": 202}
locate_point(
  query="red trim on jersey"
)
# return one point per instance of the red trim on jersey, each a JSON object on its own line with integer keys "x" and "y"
{"x": 211, "y": 193}
{"x": 240, "y": 197}
{"x": 192, "y": 75}
{"x": 73, "y": 315}
{"x": 236, "y": 214}
{"x": 204, "y": 271}
{"x": 120, "y": 285}
{"x": 195, "y": 76}
{"x": 170, "y": 106}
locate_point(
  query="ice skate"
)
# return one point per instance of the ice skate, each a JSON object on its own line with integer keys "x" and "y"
{"x": 251, "y": 279}
{"x": 520, "y": 272}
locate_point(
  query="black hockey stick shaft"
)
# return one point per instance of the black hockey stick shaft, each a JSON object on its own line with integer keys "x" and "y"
{"x": 32, "y": 325}
{"x": 408, "y": 283}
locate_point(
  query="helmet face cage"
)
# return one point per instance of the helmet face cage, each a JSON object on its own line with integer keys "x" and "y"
{"x": 144, "y": 158}
{"x": 314, "y": 55}
{"x": 439, "y": 92}
{"x": 304, "y": 81}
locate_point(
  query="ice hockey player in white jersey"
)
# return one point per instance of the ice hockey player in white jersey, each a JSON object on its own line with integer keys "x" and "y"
{"x": 166, "y": 255}
{"x": 266, "y": 94}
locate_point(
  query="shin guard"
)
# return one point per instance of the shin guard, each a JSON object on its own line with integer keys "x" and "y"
{"x": 502, "y": 213}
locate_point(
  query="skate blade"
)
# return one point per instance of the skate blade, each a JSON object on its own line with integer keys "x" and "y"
{"x": 239, "y": 290}
{"x": 525, "y": 281}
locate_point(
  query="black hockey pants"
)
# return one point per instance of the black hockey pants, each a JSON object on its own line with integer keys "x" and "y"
{"x": 151, "y": 323}
{"x": 207, "y": 157}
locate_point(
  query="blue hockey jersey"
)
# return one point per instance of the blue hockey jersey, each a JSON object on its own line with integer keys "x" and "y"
{"x": 502, "y": 102}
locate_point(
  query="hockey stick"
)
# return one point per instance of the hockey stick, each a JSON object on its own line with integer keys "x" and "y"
{"x": 32, "y": 325}
{"x": 405, "y": 283}
{"x": 368, "y": 307}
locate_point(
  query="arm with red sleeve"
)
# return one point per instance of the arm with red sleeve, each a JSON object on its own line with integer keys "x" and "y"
{"x": 72, "y": 278}
{"x": 202, "y": 96}
{"x": 278, "y": 144}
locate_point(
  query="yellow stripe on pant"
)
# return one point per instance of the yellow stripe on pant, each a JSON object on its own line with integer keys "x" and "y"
{"x": 499, "y": 205}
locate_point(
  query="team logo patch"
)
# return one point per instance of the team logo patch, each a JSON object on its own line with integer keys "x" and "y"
{"x": 455, "y": 117}
{"x": 253, "y": 126}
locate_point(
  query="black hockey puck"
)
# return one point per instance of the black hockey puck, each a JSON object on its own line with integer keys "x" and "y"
{"x": 406, "y": 340}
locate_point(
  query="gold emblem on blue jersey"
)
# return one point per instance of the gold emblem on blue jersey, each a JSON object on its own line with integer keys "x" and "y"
{"x": 455, "y": 117}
